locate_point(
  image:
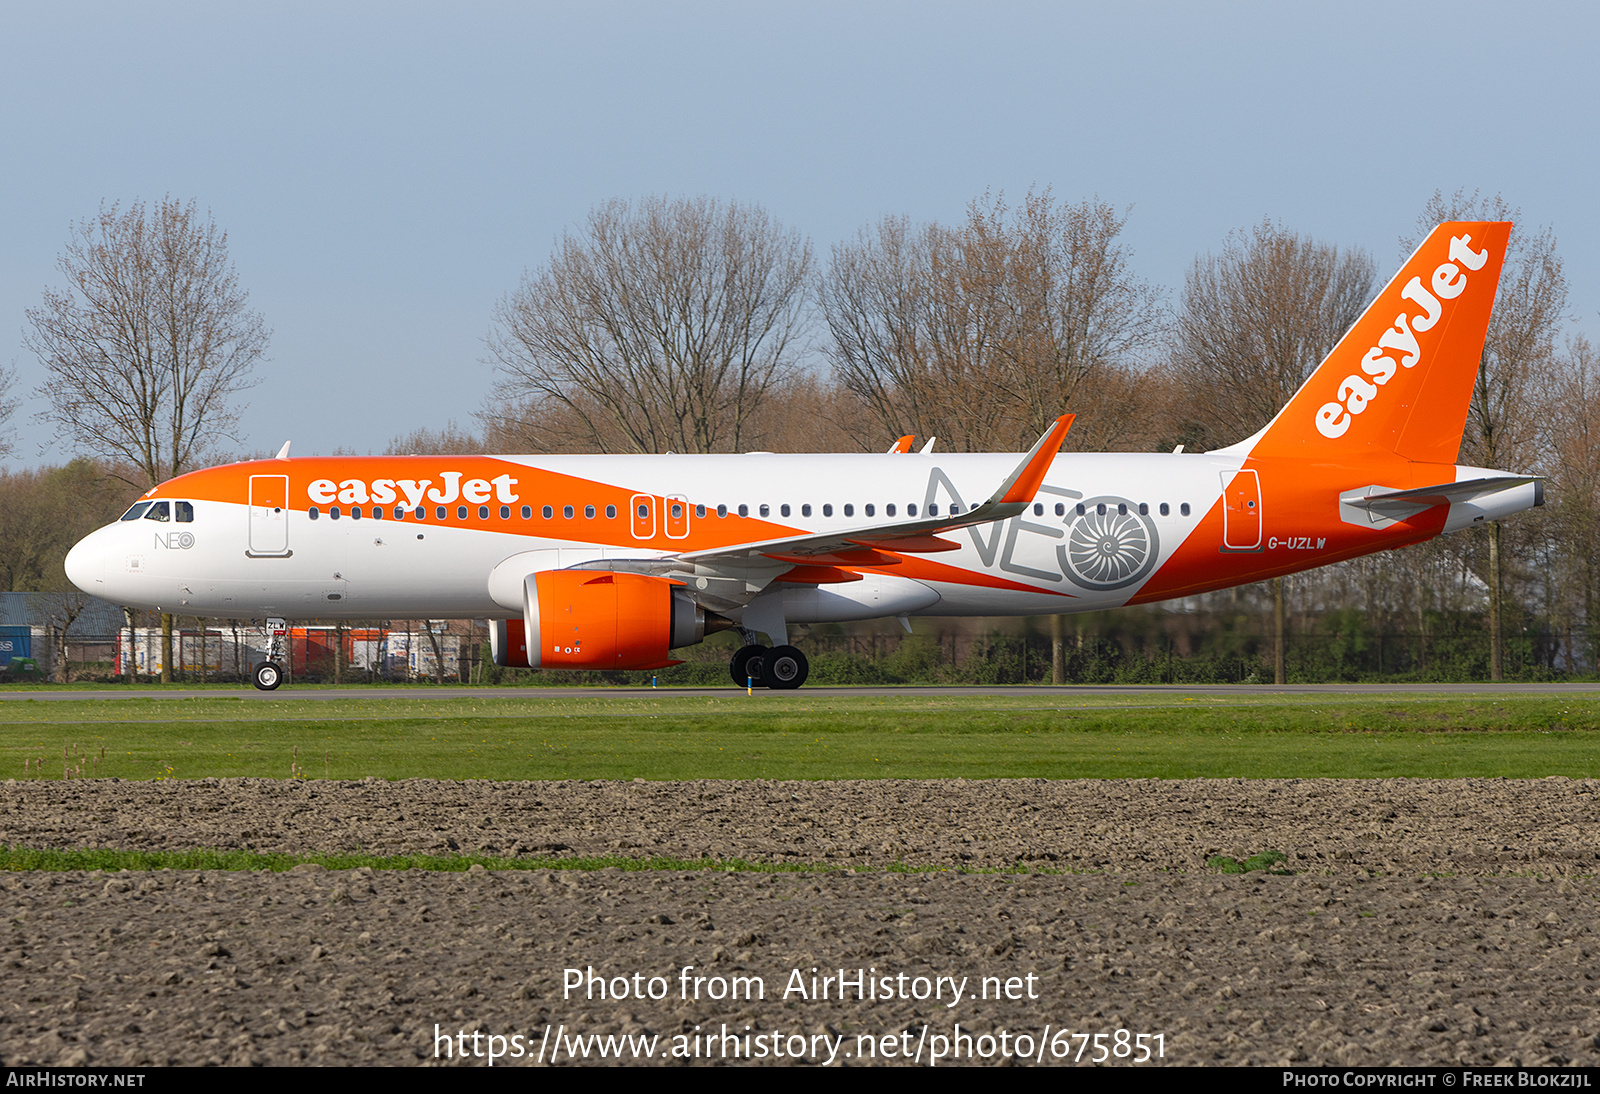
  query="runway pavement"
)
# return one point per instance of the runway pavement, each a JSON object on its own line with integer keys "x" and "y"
{"x": 313, "y": 692}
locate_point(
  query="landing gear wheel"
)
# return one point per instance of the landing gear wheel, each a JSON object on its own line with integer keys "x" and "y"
{"x": 268, "y": 676}
{"x": 746, "y": 666}
{"x": 784, "y": 667}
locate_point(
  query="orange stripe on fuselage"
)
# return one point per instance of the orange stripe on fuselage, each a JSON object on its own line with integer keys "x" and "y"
{"x": 924, "y": 569}
{"x": 1299, "y": 502}
{"x": 535, "y": 487}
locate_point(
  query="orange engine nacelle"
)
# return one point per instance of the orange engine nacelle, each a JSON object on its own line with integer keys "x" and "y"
{"x": 597, "y": 619}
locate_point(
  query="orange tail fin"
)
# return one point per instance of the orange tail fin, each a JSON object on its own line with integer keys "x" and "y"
{"x": 1401, "y": 379}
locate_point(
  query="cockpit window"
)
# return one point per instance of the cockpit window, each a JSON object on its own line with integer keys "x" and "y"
{"x": 137, "y": 511}
{"x": 183, "y": 511}
{"x": 159, "y": 510}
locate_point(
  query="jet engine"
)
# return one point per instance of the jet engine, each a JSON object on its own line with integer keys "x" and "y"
{"x": 599, "y": 619}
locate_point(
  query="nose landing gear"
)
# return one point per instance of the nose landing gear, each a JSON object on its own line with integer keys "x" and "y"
{"x": 269, "y": 674}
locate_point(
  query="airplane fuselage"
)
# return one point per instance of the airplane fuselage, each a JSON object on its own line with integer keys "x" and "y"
{"x": 419, "y": 537}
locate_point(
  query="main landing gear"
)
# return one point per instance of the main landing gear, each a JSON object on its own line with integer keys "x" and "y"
{"x": 780, "y": 668}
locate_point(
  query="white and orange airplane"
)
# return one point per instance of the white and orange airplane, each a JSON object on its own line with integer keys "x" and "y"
{"x": 612, "y": 562}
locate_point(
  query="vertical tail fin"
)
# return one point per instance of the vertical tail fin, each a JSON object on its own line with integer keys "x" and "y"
{"x": 1400, "y": 381}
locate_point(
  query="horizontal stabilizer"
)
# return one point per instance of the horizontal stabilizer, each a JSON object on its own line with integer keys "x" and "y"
{"x": 1380, "y": 506}
{"x": 1443, "y": 494}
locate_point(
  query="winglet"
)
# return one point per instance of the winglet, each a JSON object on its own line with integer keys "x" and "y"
{"x": 902, "y": 445}
{"x": 283, "y": 453}
{"x": 1024, "y": 482}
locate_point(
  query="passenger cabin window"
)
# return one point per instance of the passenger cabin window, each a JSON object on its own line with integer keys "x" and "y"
{"x": 911, "y": 510}
{"x": 888, "y": 510}
{"x": 827, "y": 510}
{"x": 461, "y": 512}
{"x": 1081, "y": 510}
{"x": 611, "y": 512}
{"x": 1144, "y": 509}
{"x": 355, "y": 512}
{"x": 483, "y": 512}
{"x": 441, "y": 513}
{"x": 159, "y": 510}
{"x": 722, "y": 510}
{"x": 333, "y": 512}
{"x": 744, "y": 510}
{"x": 422, "y": 514}
{"x": 766, "y": 510}
{"x": 1184, "y": 508}
{"x": 527, "y": 512}
{"x": 399, "y": 512}
{"x": 1166, "y": 510}
{"x": 588, "y": 512}
{"x": 566, "y": 511}
{"x": 933, "y": 509}
{"x": 868, "y": 509}
{"x": 849, "y": 510}
{"x": 1061, "y": 509}
{"x": 805, "y": 510}
{"x": 313, "y": 513}
{"x": 547, "y": 512}
{"x": 137, "y": 511}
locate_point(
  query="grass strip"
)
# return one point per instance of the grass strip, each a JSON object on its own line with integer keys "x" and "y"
{"x": 910, "y": 737}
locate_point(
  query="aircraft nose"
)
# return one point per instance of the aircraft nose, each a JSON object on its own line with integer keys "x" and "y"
{"x": 85, "y": 565}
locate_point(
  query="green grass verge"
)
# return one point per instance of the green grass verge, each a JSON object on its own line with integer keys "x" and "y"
{"x": 665, "y": 736}
{"x": 23, "y": 858}
{"x": 1266, "y": 860}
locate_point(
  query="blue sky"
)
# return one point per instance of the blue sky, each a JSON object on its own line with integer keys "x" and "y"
{"x": 386, "y": 172}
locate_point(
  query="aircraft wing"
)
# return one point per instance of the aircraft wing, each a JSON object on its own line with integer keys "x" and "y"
{"x": 725, "y": 578}
{"x": 865, "y": 546}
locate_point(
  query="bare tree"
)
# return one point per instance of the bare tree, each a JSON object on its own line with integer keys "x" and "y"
{"x": 1518, "y": 359}
{"x": 8, "y": 378}
{"x": 662, "y": 327}
{"x": 451, "y": 440}
{"x": 47, "y": 510}
{"x": 1570, "y": 415}
{"x": 982, "y": 333}
{"x": 148, "y": 343}
{"x": 1255, "y": 321}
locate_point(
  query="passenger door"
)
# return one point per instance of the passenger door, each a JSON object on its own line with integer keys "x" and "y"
{"x": 269, "y": 516}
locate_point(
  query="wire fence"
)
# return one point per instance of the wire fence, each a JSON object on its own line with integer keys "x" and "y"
{"x": 456, "y": 652}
